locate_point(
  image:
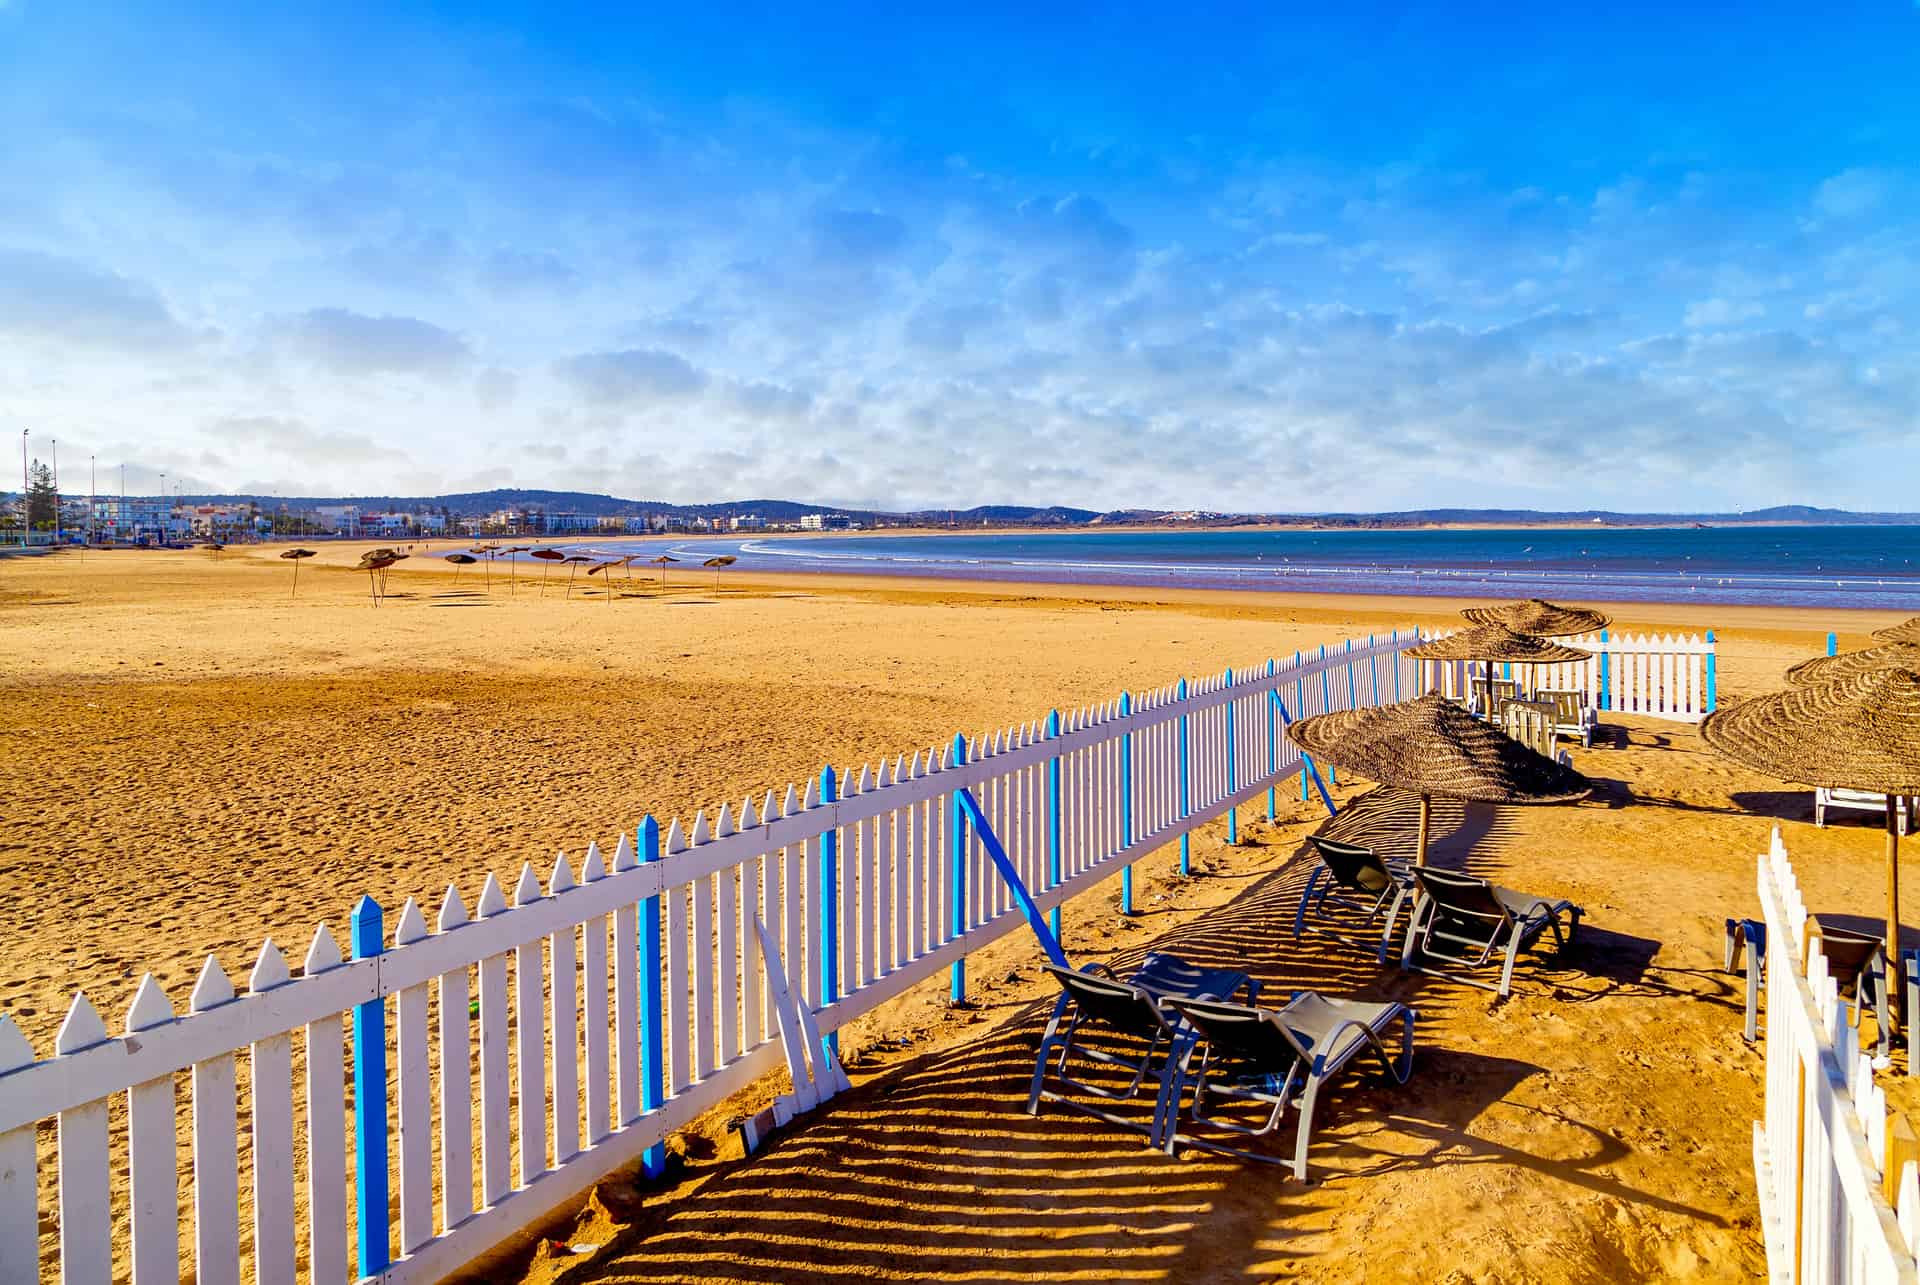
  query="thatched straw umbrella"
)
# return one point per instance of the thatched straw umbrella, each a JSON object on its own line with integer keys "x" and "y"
{"x": 1860, "y": 733}
{"x": 482, "y": 551}
{"x": 1851, "y": 664}
{"x": 576, "y": 561}
{"x": 724, "y": 560}
{"x": 373, "y": 563}
{"x": 608, "y": 565}
{"x": 392, "y": 556}
{"x": 1431, "y": 746}
{"x": 513, "y": 576}
{"x": 549, "y": 557}
{"x": 1907, "y": 631}
{"x": 662, "y": 562}
{"x": 1540, "y": 618}
{"x": 1495, "y": 642}
{"x": 294, "y": 556}
{"x": 460, "y": 560}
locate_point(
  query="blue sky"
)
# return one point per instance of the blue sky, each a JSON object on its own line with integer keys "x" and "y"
{"x": 1100, "y": 255}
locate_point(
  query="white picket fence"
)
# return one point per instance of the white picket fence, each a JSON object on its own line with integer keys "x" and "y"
{"x": 1819, "y": 1156}
{"x": 1662, "y": 675}
{"x": 622, "y": 1057}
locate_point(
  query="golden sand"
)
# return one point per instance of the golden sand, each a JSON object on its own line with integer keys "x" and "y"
{"x": 192, "y": 760}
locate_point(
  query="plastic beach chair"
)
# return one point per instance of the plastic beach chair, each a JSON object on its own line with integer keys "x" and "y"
{"x": 1152, "y": 1040}
{"x": 1281, "y": 1058}
{"x": 1355, "y": 878}
{"x": 1857, "y": 962}
{"x": 1464, "y": 920}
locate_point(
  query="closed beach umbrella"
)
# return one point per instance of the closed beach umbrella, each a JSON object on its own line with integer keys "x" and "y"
{"x": 1907, "y": 631}
{"x": 1539, "y": 617}
{"x": 1497, "y": 643}
{"x": 724, "y": 560}
{"x": 294, "y": 556}
{"x": 549, "y": 557}
{"x": 1431, "y": 746}
{"x": 1859, "y": 733}
{"x": 1851, "y": 664}
{"x": 662, "y": 562}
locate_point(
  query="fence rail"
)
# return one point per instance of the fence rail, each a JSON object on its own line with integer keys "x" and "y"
{"x": 1663, "y": 675}
{"x": 572, "y": 1026}
{"x": 1820, "y": 1154}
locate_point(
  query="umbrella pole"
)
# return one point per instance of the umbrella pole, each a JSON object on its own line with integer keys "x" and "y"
{"x": 1893, "y": 887}
{"x": 1426, "y": 820}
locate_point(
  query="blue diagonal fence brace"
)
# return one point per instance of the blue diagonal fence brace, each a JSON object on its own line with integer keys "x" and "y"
{"x": 1306, "y": 759}
{"x": 965, "y": 802}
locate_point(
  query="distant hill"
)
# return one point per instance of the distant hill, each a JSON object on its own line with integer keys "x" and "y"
{"x": 473, "y": 503}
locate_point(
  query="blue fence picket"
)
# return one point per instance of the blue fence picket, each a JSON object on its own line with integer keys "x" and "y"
{"x": 653, "y": 966}
{"x": 370, "y": 1101}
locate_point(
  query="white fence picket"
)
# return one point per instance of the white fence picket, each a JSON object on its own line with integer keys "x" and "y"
{"x": 270, "y": 1075}
{"x": 897, "y": 909}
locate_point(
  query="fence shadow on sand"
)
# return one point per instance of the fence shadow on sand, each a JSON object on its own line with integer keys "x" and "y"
{"x": 934, "y": 1169}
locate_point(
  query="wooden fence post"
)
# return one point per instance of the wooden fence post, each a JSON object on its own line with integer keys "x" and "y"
{"x": 653, "y": 1079}
{"x": 1712, "y": 695}
{"x": 1186, "y": 792}
{"x": 370, "y": 1101}
{"x": 957, "y": 874}
{"x": 1126, "y": 805}
{"x": 1053, "y": 818}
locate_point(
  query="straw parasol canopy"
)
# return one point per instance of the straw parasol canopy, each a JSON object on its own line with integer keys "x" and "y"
{"x": 1539, "y": 617}
{"x": 1860, "y": 733}
{"x": 1908, "y": 631}
{"x": 1851, "y": 664}
{"x": 1432, "y": 746}
{"x": 294, "y": 556}
{"x": 1496, "y": 642}
{"x": 373, "y": 563}
{"x": 723, "y": 560}
{"x": 548, "y": 557}
{"x": 662, "y": 562}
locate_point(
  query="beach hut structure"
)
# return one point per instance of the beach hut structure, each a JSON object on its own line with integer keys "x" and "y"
{"x": 662, "y": 561}
{"x": 547, "y": 556}
{"x": 1540, "y": 618}
{"x": 724, "y": 560}
{"x": 1861, "y": 732}
{"x": 1851, "y": 664}
{"x": 295, "y": 556}
{"x": 1432, "y": 746}
{"x": 1906, "y": 631}
{"x": 1496, "y": 643}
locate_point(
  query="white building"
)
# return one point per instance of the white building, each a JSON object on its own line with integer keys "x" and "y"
{"x": 338, "y": 517}
{"x": 825, "y": 522}
{"x": 749, "y": 522}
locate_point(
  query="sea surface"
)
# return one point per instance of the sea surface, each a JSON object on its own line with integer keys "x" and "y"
{"x": 1851, "y": 566}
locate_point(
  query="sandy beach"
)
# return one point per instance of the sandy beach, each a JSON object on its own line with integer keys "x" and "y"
{"x": 193, "y": 760}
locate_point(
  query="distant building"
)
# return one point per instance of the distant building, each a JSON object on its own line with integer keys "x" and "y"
{"x": 748, "y": 522}
{"x": 338, "y": 517}
{"x": 826, "y": 522}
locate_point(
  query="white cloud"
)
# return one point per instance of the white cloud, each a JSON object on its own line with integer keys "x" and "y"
{"x": 1722, "y": 312}
{"x": 351, "y": 343}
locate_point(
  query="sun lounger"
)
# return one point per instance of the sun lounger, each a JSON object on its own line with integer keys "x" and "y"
{"x": 1464, "y": 920}
{"x": 1856, "y": 962}
{"x": 1572, "y": 716}
{"x": 1530, "y": 723}
{"x": 1486, "y": 704}
{"x": 1358, "y": 879}
{"x": 1135, "y": 1009}
{"x": 1861, "y": 801}
{"x": 1279, "y": 1058}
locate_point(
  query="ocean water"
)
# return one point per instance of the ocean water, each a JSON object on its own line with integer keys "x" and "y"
{"x": 1853, "y": 566}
